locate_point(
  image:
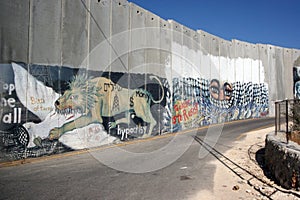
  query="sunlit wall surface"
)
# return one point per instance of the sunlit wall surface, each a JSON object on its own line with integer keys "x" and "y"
{"x": 81, "y": 74}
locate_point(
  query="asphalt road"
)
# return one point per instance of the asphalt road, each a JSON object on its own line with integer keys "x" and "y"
{"x": 169, "y": 167}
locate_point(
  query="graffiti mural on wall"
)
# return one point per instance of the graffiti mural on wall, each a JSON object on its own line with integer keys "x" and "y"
{"x": 296, "y": 74}
{"x": 100, "y": 97}
{"x": 53, "y": 109}
{"x": 199, "y": 102}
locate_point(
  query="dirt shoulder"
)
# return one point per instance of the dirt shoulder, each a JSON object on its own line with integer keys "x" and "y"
{"x": 246, "y": 178}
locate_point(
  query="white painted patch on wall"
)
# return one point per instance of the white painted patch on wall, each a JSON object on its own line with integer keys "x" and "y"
{"x": 203, "y": 65}
{"x": 32, "y": 93}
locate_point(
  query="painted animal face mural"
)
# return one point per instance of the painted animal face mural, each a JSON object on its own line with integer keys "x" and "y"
{"x": 69, "y": 109}
{"x": 100, "y": 97}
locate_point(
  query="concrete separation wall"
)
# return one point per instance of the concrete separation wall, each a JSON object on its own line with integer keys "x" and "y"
{"x": 283, "y": 160}
{"x": 80, "y": 74}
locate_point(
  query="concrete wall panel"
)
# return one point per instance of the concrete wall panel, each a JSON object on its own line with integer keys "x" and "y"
{"x": 205, "y": 56}
{"x": 177, "y": 86}
{"x": 187, "y": 52}
{"x": 248, "y": 60}
{"x": 120, "y": 35}
{"x": 225, "y": 60}
{"x": 177, "y": 61}
{"x": 281, "y": 83}
{"x": 265, "y": 73}
{"x": 231, "y": 66}
{"x": 45, "y": 32}
{"x": 264, "y": 66}
{"x": 165, "y": 63}
{"x": 165, "y": 53}
{"x": 272, "y": 72}
{"x": 152, "y": 51}
{"x": 296, "y": 54}
{"x": 272, "y": 78}
{"x": 137, "y": 46}
{"x": 74, "y": 33}
{"x": 14, "y": 26}
{"x": 239, "y": 61}
{"x": 255, "y": 63}
{"x": 163, "y": 68}
{"x": 296, "y": 57}
{"x": 215, "y": 63}
{"x": 99, "y": 34}
{"x": 288, "y": 72}
{"x": 196, "y": 54}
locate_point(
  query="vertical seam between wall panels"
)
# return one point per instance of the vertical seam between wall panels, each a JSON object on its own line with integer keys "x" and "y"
{"x": 291, "y": 62}
{"x": 144, "y": 49}
{"x": 89, "y": 13}
{"x": 128, "y": 33}
{"x": 252, "y": 60}
{"x": 110, "y": 37}
{"x": 259, "y": 61}
{"x": 201, "y": 55}
{"x": 244, "y": 57}
{"x": 129, "y": 56}
{"x": 88, "y": 21}
{"x": 270, "y": 69}
{"x": 219, "y": 57}
{"x": 61, "y": 33}
{"x": 182, "y": 61}
{"x": 283, "y": 73}
{"x": 29, "y": 52}
{"x": 61, "y": 44}
{"x": 29, "y": 34}
{"x": 209, "y": 56}
{"x": 235, "y": 58}
{"x": 171, "y": 66}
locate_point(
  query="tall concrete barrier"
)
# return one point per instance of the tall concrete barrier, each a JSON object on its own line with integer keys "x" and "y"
{"x": 81, "y": 74}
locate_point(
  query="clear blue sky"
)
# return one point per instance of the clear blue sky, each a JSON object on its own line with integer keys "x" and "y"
{"x": 275, "y": 22}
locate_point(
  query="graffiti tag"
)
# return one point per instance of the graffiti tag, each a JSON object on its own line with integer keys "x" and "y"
{"x": 140, "y": 130}
{"x": 38, "y": 102}
{"x": 15, "y": 115}
{"x": 184, "y": 111}
{"x": 112, "y": 86}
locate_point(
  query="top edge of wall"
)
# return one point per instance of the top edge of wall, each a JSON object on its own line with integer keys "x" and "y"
{"x": 244, "y": 44}
{"x": 141, "y": 8}
{"x": 121, "y": 2}
{"x": 213, "y": 37}
{"x": 172, "y": 21}
{"x": 219, "y": 38}
{"x": 137, "y": 8}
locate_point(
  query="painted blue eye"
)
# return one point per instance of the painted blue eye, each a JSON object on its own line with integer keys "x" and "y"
{"x": 214, "y": 89}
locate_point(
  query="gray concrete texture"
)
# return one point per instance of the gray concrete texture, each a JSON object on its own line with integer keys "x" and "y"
{"x": 115, "y": 35}
{"x": 14, "y": 35}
